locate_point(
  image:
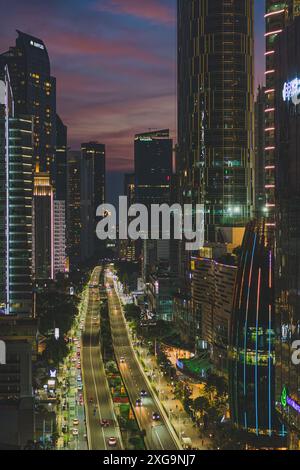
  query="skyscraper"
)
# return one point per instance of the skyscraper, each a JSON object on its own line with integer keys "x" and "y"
{"x": 287, "y": 143}
{"x": 93, "y": 173}
{"x": 153, "y": 172}
{"x": 153, "y": 167}
{"x": 216, "y": 109}
{"x": 16, "y": 141}
{"x": 73, "y": 208}
{"x": 259, "y": 178}
{"x": 43, "y": 226}
{"x": 34, "y": 92}
{"x": 60, "y": 162}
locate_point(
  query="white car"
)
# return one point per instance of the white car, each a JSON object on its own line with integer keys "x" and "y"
{"x": 75, "y": 422}
{"x": 75, "y": 432}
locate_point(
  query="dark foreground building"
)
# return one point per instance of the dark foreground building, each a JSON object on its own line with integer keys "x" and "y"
{"x": 252, "y": 338}
{"x": 288, "y": 228}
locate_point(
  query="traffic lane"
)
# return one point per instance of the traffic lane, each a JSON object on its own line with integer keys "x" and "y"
{"x": 135, "y": 382}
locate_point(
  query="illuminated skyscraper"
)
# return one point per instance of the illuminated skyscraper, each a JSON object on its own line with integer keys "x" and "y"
{"x": 34, "y": 92}
{"x": 287, "y": 123}
{"x": 43, "y": 226}
{"x": 252, "y": 337}
{"x": 73, "y": 208}
{"x": 16, "y": 139}
{"x": 216, "y": 109}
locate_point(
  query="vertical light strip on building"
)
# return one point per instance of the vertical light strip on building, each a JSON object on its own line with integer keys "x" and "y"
{"x": 275, "y": 19}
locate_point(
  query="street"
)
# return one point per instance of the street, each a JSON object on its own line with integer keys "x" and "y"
{"x": 159, "y": 434}
{"x": 98, "y": 401}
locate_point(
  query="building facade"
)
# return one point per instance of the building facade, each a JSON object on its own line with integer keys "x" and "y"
{"x": 252, "y": 336}
{"x": 16, "y": 154}
{"x": 216, "y": 109}
{"x": 60, "y": 265}
{"x": 73, "y": 208}
{"x": 287, "y": 122}
{"x": 212, "y": 295}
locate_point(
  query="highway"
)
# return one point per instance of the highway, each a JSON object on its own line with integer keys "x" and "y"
{"x": 98, "y": 401}
{"x": 159, "y": 435}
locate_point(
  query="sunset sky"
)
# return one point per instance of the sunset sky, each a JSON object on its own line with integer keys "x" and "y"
{"x": 115, "y": 64}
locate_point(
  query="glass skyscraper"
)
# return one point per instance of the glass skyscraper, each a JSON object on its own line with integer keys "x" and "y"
{"x": 16, "y": 186}
{"x": 216, "y": 109}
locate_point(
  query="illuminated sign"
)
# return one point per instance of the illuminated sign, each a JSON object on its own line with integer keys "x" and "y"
{"x": 291, "y": 91}
{"x": 56, "y": 333}
{"x": 37, "y": 45}
{"x": 288, "y": 401}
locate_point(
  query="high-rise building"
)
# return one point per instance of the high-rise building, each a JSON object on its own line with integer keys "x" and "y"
{"x": 213, "y": 285}
{"x": 127, "y": 248}
{"x": 259, "y": 173}
{"x": 73, "y": 208}
{"x": 153, "y": 167}
{"x": 252, "y": 336}
{"x": 216, "y": 109}
{"x": 153, "y": 163}
{"x": 34, "y": 92}
{"x": 16, "y": 138}
{"x": 277, "y": 16}
{"x": 59, "y": 237}
{"x": 287, "y": 143}
{"x": 43, "y": 226}
{"x": 60, "y": 163}
{"x": 93, "y": 194}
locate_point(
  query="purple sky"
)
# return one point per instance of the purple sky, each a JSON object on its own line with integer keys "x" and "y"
{"x": 115, "y": 63}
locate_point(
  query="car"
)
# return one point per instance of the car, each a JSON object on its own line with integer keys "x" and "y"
{"x": 112, "y": 441}
{"x": 95, "y": 318}
{"x": 79, "y": 366}
{"x": 79, "y": 388}
{"x": 104, "y": 423}
{"x": 64, "y": 429}
{"x": 155, "y": 416}
{"x": 78, "y": 378}
{"x": 139, "y": 402}
{"x": 122, "y": 360}
{"x": 75, "y": 432}
{"x": 75, "y": 422}
{"x": 144, "y": 393}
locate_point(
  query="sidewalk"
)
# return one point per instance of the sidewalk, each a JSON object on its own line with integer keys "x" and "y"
{"x": 179, "y": 418}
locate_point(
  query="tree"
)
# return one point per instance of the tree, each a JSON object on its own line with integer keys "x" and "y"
{"x": 201, "y": 404}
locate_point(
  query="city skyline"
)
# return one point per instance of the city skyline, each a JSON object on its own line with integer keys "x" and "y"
{"x": 125, "y": 62}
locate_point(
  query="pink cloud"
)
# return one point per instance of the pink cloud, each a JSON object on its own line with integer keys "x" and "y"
{"x": 152, "y": 10}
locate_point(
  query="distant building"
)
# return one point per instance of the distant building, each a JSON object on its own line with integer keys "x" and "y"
{"x": 93, "y": 180}
{"x": 16, "y": 151}
{"x": 160, "y": 292}
{"x": 74, "y": 208}
{"x": 59, "y": 237}
{"x": 43, "y": 227}
{"x": 153, "y": 153}
{"x": 60, "y": 163}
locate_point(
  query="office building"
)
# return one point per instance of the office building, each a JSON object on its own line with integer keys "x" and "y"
{"x": 252, "y": 336}
{"x": 34, "y": 91}
{"x": 259, "y": 174}
{"x": 16, "y": 150}
{"x": 43, "y": 226}
{"x": 60, "y": 265}
{"x": 287, "y": 143}
{"x": 60, "y": 163}
{"x": 216, "y": 110}
{"x": 93, "y": 162}
{"x": 73, "y": 208}
{"x": 213, "y": 282}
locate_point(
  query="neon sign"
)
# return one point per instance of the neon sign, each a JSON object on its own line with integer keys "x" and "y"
{"x": 37, "y": 45}
{"x": 288, "y": 401}
{"x": 291, "y": 91}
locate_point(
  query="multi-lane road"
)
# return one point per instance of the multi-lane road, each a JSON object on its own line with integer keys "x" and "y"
{"x": 98, "y": 401}
{"x": 159, "y": 434}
